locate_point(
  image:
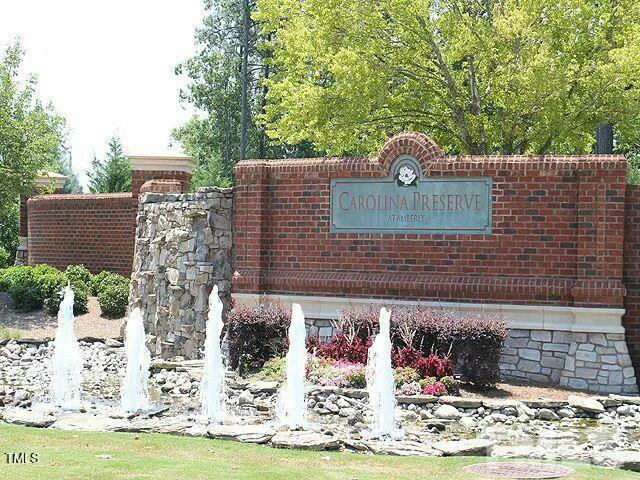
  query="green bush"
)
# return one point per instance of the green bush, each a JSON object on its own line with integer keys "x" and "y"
{"x": 114, "y": 299}
{"x": 34, "y": 287}
{"x": 104, "y": 279}
{"x": 97, "y": 280}
{"x": 4, "y": 257}
{"x": 78, "y": 273}
{"x": 51, "y": 279}
{"x": 13, "y": 275}
{"x": 27, "y": 294}
{"x": 80, "y": 301}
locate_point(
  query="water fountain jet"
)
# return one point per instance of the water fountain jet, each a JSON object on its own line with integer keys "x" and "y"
{"x": 134, "y": 393}
{"x": 291, "y": 404}
{"x": 380, "y": 381}
{"x": 212, "y": 386}
{"x": 67, "y": 359}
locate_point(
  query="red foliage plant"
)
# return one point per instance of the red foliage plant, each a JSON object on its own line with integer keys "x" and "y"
{"x": 431, "y": 366}
{"x": 341, "y": 347}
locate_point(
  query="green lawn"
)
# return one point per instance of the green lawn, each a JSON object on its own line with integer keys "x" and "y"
{"x": 72, "y": 455}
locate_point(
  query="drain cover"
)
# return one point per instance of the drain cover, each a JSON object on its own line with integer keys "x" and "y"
{"x": 517, "y": 470}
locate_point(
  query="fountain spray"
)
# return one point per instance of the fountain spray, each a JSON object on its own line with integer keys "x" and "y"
{"x": 212, "y": 386}
{"x": 291, "y": 404}
{"x": 380, "y": 381}
{"x": 67, "y": 360}
{"x": 134, "y": 393}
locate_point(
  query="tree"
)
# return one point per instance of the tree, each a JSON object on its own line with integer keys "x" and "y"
{"x": 30, "y": 138}
{"x": 113, "y": 174}
{"x": 72, "y": 185}
{"x": 480, "y": 76}
{"x": 30, "y": 133}
{"x": 226, "y": 84}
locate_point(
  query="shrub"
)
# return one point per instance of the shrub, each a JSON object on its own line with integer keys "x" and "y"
{"x": 76, "y": 273}
{"x": 51, "y": 279}
{"x": 81, "y": 298}
{"x": 274, "y": 370}
{"x": 114, "y": 299}
{"x": 27, "y": 294}
{"x": 256, "y": 334}
{"x": 434, "y": 387}
{"x": 4, "y": 257}
{"x": 404, "y": 375}
{"x": 337, "y": 373}
{"x": 471, "y": 343}
{"x": 34, "y": 287}
{"x": 341, "y": 347}
{"x": 104, "y": 279}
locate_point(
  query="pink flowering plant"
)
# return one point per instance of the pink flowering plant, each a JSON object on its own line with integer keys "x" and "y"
{"x": 335, "y": 373}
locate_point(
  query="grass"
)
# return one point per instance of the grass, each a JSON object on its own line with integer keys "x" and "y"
{"x": 73, "y": 455}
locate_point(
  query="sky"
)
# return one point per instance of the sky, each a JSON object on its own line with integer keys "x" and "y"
{"x": 107, "y": 67}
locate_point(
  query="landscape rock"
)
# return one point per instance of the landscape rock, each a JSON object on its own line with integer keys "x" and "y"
{"x": 304, "y": 440}
{"x": 475, "y": 447}
{"x": 447, "y": 412}
{"x": 28, "y": 418}
{"x": 242, "y": 433}
{"x": 586, "y": 404}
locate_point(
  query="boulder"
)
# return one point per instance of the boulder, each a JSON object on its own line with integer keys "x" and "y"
{"x": 586, "y": 404}
{"x": 460, "y": 402}
{"x": 416, "y": 399}
{"x": 546, "y": 414}
{"x": 304, "y": 440}
{"x": 457, "y": 448}
{"x": 242, "y": 433}
{"x": 28, "y": 418}
{"x": 263, "y": 387}
{"x": 87, "y": 422}
{"x": 245, "y": 398}
{"x": 623, "y": 459}
{"x": 403, "y": 448}
{"x": 448, "y": 412}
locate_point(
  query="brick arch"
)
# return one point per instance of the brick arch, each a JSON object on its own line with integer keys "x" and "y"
{"x": 420, "y": 146}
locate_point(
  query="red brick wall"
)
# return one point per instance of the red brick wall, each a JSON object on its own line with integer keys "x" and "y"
{"x": 95, "y": 230}
{"x": 558, "y": 227}
{"x": 631, "y": 319}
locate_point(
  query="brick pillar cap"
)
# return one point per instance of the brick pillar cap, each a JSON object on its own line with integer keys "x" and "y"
{"x": 51, "y": 179}
{"x": 163, "y": 163}
{"x": 161, "y": 186}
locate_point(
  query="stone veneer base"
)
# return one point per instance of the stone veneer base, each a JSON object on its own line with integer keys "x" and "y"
{"x": 575, "y": 347}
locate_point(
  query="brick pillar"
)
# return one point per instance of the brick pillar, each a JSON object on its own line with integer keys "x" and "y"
{"x": 251, "y": 227}
{"x": 145, "y": 168}
{"x": 601, "y": 205}
{"x": 48, "y": 182}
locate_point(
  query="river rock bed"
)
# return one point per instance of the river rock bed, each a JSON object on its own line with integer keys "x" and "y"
{"x": 598, "y": 430}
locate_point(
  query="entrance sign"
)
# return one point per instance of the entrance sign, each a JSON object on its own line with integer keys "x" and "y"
{"x": 407, "y": 202}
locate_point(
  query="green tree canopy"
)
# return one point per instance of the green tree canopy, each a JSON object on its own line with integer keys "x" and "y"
{"x": 479, "y": 76}
{"x": 30, "y": 133}
{"x": 217, "y": 78}
{"x": 112, "y": 174}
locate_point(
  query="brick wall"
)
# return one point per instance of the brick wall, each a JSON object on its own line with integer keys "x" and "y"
{"x": 558, "y": 227}
{"x": 631, "y": 319}
{"x": 95, "y": 230}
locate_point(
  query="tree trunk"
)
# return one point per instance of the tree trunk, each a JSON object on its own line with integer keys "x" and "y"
{"x": 245, "y": 80}
{"x": 604, "y": 138}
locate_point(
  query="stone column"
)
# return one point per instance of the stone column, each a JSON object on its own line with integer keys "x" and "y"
{"x": 48, "y": 182}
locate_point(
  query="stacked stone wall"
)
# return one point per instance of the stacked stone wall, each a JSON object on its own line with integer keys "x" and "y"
{"x": 596, "y": 362}
{"x": 182, "y": 249}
